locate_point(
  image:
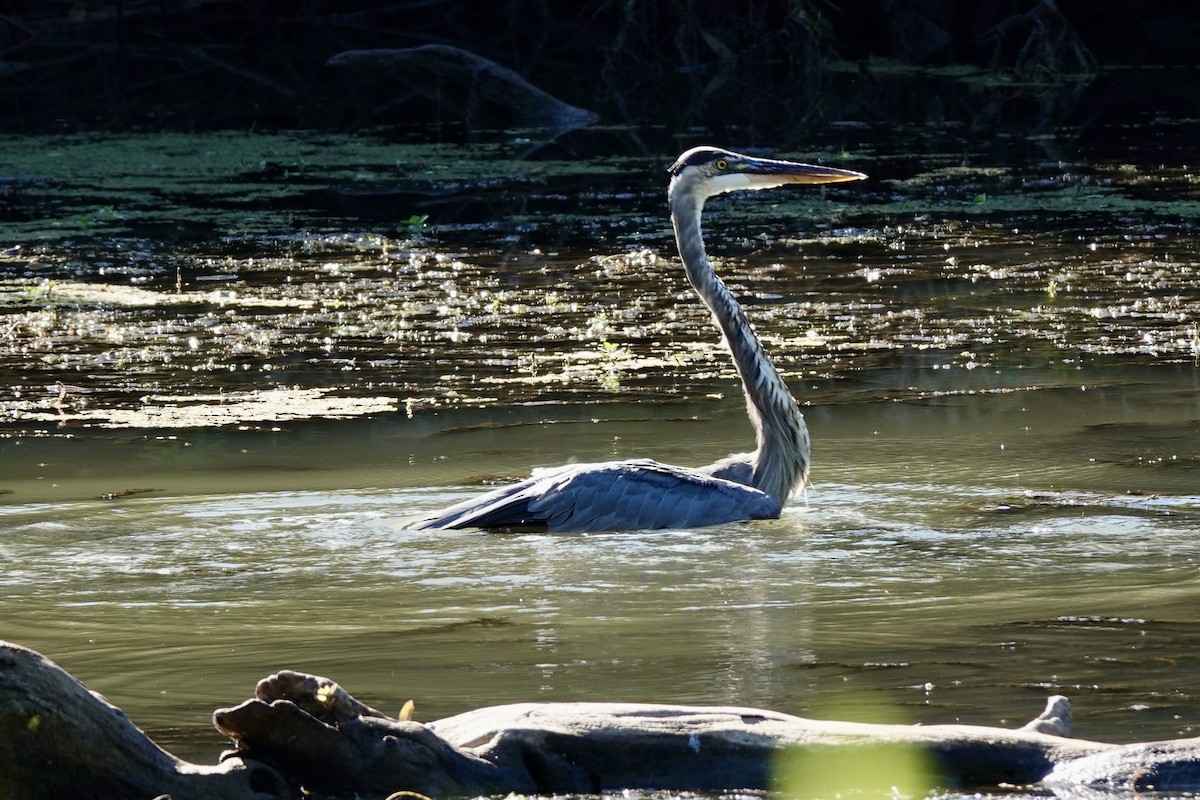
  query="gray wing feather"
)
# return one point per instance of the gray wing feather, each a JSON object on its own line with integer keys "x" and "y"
{"x": 618, "y": 495}
{"x": 737, "y": 468}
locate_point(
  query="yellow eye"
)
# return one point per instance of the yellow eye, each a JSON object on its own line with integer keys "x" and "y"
{"x": 721, "y": 163}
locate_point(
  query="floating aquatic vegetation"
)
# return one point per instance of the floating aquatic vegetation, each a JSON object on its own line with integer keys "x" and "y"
{"x": 572, "y": 291}
{"x": 204, "y": 410}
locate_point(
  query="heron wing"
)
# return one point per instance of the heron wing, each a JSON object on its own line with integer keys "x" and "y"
{"x": 738, "y": 468}
{"x": 611, "y": 496}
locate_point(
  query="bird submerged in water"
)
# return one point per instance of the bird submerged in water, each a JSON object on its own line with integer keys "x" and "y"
{"x": 642, "y": 493}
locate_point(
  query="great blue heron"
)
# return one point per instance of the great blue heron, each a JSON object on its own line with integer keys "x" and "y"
{"x": 641, "y": 493}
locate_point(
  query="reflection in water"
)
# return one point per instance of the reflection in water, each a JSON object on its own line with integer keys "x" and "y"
{"x": 931, "y": 572}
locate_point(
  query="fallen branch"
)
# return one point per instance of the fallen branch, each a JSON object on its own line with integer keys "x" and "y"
{"x": 330, "y": 742}
{"x": 472, "y": 86}
{"x": 57, "y": 739}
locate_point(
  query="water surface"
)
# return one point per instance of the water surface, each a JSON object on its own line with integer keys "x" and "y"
{"x": 210, "y": 442}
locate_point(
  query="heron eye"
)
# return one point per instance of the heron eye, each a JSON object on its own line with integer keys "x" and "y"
{"x": 721, "y": 163}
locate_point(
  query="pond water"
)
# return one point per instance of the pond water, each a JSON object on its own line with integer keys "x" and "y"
{"x": 222, "y": 400}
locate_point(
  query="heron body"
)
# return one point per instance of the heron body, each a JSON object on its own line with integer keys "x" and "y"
{"x": 642, "y": 493}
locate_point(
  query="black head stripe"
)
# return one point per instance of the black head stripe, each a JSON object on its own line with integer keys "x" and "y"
{"x": 696, "y": 157}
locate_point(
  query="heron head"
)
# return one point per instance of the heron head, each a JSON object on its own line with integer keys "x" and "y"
{"x": 707, "y": 171}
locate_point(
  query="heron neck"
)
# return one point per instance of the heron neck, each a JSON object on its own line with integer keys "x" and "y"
{"x": 781, "y": 457}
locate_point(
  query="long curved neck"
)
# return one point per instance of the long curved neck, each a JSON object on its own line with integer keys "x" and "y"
{"x": 781, "y": 458}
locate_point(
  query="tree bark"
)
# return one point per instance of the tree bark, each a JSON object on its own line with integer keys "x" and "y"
{"x": 301, "y": 731}
{"x": 59, "y": 740}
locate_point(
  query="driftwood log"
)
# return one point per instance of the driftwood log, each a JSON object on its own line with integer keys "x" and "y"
{"x": 305, "y": 733}
{"x": 59, "y": 740}
{"x": 481, "y": 91}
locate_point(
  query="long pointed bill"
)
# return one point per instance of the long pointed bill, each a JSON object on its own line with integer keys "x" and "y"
{"x": 743, "y": 173}
{"x": 770, "y": 172}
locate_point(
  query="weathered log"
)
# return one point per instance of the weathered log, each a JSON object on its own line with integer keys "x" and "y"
{"x": 57, "y": 739}
{"x": 330, "y": 742}
{"x": 1154, "y": 766}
